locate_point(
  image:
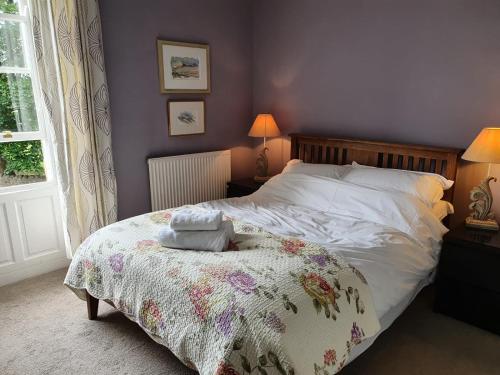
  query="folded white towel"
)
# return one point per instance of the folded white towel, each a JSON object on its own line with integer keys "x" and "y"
{"x": 196, "y": 219}
{"x": 207, "y": 240}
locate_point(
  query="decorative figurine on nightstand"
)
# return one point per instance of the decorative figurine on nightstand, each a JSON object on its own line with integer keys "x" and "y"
{"x": 263, "y": 126}
{"x": 262, "y": 166}
{"x": 484, "y": 149}
{"x": 481, "y": 198}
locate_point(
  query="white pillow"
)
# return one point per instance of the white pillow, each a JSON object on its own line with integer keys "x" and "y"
{"x": 429, "y": 188}
{"x": 311, "y": 169}
{"x": 442, "y": 209}
{"x": 445, "y": 183}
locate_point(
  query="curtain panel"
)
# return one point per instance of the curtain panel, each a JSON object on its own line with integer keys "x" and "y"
{"x": 70, "y": 63}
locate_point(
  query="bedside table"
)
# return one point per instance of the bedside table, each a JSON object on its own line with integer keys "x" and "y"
{"x": 240, "y": 188}
{"x": 468, "y": 281}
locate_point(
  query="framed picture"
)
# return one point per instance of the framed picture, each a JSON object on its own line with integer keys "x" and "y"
{"x": 184, "y": 67}
{"x": 186, "y": 117}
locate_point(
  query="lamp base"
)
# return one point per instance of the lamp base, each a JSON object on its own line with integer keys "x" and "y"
{"x": 261, "y": 178}
{"x": 489, "y": 224}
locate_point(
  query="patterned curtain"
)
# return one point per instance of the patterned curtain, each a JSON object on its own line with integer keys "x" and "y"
{"x": 70, "y": 63}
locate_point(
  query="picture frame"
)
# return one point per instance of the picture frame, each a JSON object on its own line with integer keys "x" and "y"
{"x": 186, "y": 117}
{"x": 183, "y": 67}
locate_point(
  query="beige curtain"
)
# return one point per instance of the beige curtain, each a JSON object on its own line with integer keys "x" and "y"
{"x": 70, "y": 63}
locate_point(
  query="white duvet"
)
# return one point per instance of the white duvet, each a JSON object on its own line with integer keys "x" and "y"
{"x": 392, "y": 238}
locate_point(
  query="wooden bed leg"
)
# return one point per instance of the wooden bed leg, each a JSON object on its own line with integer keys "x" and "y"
{"x": 92, "y": 306}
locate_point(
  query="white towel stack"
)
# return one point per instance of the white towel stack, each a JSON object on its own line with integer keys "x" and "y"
{"x": 196, "y": 219}
{"x": 197, "y": 229}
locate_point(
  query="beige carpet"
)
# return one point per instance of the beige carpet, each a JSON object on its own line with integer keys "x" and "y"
{"x": 44, "y": 330}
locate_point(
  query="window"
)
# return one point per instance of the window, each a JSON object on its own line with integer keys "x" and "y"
{"x": 22, "y": 137}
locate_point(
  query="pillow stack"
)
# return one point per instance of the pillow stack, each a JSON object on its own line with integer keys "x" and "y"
{"x": 428, "y": 187}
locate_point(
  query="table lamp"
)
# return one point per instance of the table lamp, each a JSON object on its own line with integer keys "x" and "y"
{"x": 484, "y": 149}
{"x": 263, "y": 126}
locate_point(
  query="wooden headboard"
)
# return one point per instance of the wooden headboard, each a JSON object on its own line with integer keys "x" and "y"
{"x": 325, "y": 150}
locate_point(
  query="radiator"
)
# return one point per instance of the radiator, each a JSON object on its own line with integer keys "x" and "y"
{"x": 188, "y": 179}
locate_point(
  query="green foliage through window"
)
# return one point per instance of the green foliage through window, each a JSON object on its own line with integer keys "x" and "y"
{"x": 8, "y": 6}
{"x": 17, "y": 105}
{"x": 11, "y": 40}
{"x": 22, "y": 158}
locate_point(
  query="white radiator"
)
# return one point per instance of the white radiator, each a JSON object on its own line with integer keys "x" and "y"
{"x": 188, "y": 179}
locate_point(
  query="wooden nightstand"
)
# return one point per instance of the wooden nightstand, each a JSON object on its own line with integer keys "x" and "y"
{"x": 240, "y": 188}
{"x": 468, "y": 282}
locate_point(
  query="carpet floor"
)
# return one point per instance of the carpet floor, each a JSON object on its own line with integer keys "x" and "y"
{"x": 44, "y": 330}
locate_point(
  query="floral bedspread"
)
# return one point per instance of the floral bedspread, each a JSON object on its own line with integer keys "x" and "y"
{"x": 268, "y": 305}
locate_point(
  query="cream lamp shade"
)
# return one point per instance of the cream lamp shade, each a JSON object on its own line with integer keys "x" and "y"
{"x": 264, "y": 126}
{"x": 485, "y": 148}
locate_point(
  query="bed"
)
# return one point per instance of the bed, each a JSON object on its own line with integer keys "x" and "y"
{"x": 319, "y": 268}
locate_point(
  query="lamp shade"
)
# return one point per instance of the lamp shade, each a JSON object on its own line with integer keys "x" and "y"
{"x": 264, "y": 126}
{"x": 485, "y": 148}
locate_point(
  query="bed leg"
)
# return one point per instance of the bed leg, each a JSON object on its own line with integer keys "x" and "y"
{"x": 92, "y": 306}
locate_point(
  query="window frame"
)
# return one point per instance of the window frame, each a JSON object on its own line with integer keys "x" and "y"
{"x": 30, "y": 68}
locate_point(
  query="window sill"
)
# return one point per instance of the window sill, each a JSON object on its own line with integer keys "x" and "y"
{"x": 27, "y": 187}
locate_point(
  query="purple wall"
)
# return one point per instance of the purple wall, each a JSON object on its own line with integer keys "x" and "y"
{"x": 138, "y": 109}
{"x": 425, "y": 71}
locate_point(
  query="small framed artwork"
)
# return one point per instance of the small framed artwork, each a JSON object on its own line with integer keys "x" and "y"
{"x": 184, "y": 67}
{"x": 186, "y": 117}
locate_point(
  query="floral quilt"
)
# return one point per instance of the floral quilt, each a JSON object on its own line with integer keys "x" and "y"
{"x": 268, "y": 305}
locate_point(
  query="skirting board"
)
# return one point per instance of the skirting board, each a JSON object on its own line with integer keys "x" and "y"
{"x": 34, "y": 267}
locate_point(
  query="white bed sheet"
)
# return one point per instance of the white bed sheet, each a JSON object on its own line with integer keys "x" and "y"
{"x": 388, "y": 318}
{"x": 397, "y": 265}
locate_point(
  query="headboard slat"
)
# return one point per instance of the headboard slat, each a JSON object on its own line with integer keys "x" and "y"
{"x": 327, "y": 150}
